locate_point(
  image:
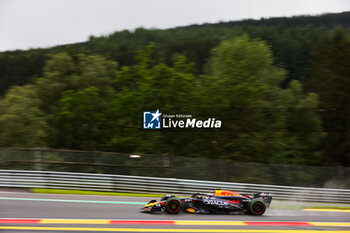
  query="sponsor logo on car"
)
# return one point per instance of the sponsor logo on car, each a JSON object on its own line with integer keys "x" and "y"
{"x": 215, "y": 202}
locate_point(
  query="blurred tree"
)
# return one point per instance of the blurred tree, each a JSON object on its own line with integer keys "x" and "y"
{"x": 262, "y": 122}
{"x": 304, "y": 130}
{"x": 149, "y": 86}
{"x": 330, "y": 79}
{"x": 22, "y": 123}
{"x": 59, "y": 90}
{"x": 240, "y": 86}
{"x": 80, "y": 119}
{"x": 64, "y": 72}
{"x": 17, "y": 67}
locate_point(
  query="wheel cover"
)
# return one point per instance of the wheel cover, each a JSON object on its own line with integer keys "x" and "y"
{"x": 258, "y": 207}
{"x": 174, "y": 206}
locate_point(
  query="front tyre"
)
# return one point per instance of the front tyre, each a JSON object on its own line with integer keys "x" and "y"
{"x": 173, "y": 206}
{"x": 257, "y": 207}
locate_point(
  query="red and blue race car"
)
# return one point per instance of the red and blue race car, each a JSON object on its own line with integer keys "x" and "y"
{"x": 222, "y": 201}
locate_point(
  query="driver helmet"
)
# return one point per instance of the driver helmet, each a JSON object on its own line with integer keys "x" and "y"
{"x": 218, "y": 191}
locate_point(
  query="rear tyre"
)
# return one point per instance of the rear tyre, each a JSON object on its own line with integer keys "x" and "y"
{"x": 257, "y": 207}
{"x": 173, "y": 206}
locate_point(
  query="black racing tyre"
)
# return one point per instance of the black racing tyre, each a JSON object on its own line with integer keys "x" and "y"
{"x": 257, "y": 207}
{"x": 173, "y": 206}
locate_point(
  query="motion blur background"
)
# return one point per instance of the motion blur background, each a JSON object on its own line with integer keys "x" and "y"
{"x": 280, "y": 86}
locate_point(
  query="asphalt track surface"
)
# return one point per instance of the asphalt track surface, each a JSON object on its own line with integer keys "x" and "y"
{"x": 16, "y": 205}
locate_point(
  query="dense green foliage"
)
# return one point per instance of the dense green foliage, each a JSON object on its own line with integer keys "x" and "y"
{"x": 329, "y": 76}
{"x": 291, "y": 40}
{"x": 250, "y": 74}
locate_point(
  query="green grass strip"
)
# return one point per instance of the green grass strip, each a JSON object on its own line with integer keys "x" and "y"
{"x": 83, "y": 192}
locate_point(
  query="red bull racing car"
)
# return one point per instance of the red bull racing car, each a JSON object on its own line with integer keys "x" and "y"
{"x": 222, "y": 201}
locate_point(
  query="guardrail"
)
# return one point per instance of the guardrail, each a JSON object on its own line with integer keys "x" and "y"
{"x": 141, "y": 184}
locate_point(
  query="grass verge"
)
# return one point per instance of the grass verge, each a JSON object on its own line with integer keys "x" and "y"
{"x": 83, "y": 192}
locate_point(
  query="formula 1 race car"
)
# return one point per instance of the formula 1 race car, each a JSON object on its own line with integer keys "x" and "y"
{"x": 222, "y": 201}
